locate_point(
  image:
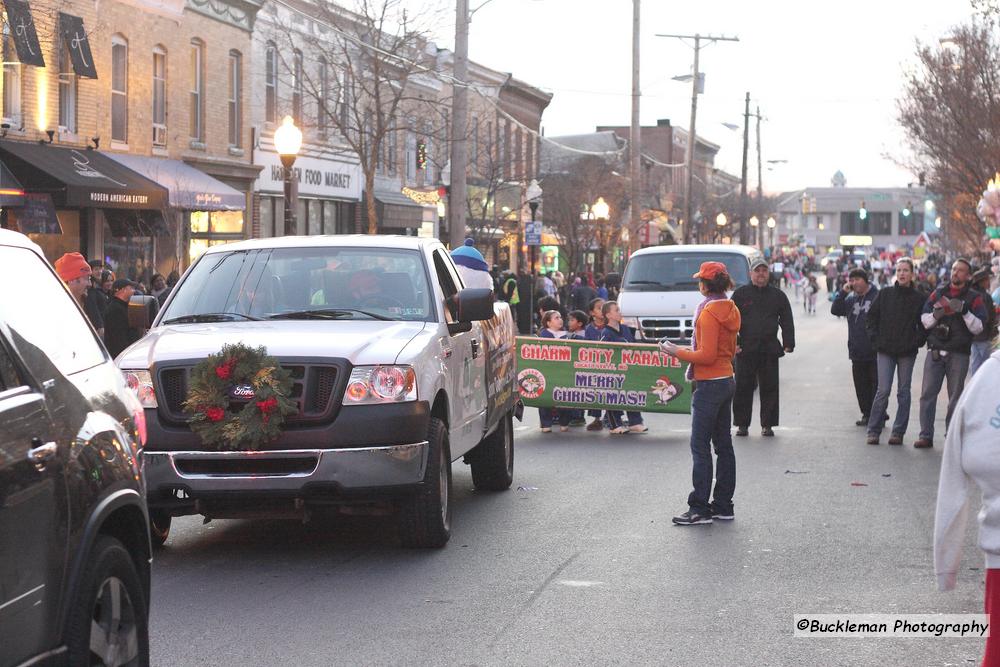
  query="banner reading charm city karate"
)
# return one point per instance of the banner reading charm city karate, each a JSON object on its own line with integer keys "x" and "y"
{"x": 610, "y": 376}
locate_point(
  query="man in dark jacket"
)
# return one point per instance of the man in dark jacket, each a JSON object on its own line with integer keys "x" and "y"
{"x": 117, "y": 333}
{"x": 763, "y": 309}
{"x": 896, "y": 334}
{"x": 854, "y": 302}
{"x": 982, "y": 343}
{"x": 953, "y": 315}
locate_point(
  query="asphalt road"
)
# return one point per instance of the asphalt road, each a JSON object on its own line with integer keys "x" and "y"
{"x": 579, "y": 562}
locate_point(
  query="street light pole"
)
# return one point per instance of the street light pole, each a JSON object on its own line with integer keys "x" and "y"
{"x": 743, "y": 178}
{"x": 288, "y": 141}
{"x": 459, "y": 127}
{"x": 534, "y": 195}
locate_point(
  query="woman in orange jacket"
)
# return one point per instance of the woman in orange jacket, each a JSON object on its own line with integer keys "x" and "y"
{"x": 717, "y": 321}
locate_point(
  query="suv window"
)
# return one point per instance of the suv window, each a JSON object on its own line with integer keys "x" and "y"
{"x": 672, "y": 271}
{"x": 10, "y": 377}
{"x": 40, "y": 310}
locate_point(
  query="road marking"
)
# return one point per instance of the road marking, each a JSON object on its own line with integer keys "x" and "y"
{"x": 579, "y": 584}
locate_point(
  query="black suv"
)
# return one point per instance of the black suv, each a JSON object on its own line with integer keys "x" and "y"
{"x": 74, "y": 529}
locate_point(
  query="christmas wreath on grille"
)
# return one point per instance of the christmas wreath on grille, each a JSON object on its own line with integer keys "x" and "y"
{"x": 239, "y": 398}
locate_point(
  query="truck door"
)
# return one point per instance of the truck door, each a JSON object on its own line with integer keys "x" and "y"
{"x": 466, "y": 366}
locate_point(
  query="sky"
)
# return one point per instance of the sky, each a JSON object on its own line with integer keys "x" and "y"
{"x": 826, "y": 75}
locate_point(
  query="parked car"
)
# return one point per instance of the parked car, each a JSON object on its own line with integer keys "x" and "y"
{"x": 398, "y": 371}
{"x": 658, "y": 295}
{"x": 74, "y": 533}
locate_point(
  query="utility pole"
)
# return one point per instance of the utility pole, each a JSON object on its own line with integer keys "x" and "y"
{"x": 743, "y": 178}
{"x": 635, "y": 140}
{"x": 459, "y": 127}
{"x": 692, "y": 136}
{"x": 760, "y": 180}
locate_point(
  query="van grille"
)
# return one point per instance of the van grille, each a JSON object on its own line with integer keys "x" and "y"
{"x": 315, "y": 392}
{"x": 678, "y": 329}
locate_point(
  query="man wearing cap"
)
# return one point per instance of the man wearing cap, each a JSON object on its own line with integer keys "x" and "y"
{"x": 471, "y": 266}
{"x": 982, "y": 342}
{"x": 855, "y": 302}
{"x": 118, "y": 335}
{"x": 763, "y": 309}
{"x": 953, "y": 315}
{"x": 74, "y": 270}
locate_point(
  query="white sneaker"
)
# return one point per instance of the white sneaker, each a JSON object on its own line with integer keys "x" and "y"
{"x": 563, "y": 429}
{"x": 546, "y": 429}
{"x": 638, "y": 428}
{"x": 621, "y": 430}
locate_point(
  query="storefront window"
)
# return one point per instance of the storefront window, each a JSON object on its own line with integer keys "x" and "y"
{"x": 315, "y": 216}
{"x": 56, "y": 245}
{"x": 266, "y": 217}
{"x": 210, "y": 228}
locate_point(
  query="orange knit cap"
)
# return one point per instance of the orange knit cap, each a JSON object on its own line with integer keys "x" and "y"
{"x": 71, "y": 266}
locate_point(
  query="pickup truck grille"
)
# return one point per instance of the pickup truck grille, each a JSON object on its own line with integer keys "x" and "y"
{"x": 315, "y": 390}
{"x": 677, "y": 329}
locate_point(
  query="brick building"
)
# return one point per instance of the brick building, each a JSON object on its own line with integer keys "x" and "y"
{"x": 133, "y": 141}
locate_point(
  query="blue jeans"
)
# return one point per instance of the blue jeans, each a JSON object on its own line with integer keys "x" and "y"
{"x": 981, "y": 351}
{"x": 902, "y": 367}
{"x": 549, "y": 415}
{"x": 953, "y": 366}
{"x": 711, "y": 414}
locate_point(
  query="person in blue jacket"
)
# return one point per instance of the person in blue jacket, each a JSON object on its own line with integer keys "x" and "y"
{"x": 616, "y": 332}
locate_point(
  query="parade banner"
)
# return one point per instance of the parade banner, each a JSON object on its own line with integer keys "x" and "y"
{"x": 609, "y": 376}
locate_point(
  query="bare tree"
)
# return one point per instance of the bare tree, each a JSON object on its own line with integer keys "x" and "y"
{"x": 569, "y": 193}
{"x": 363, "y": 80}
{"x": 951, "y": 115}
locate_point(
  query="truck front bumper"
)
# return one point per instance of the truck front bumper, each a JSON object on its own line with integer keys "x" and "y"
{"x": 292, "y": 472}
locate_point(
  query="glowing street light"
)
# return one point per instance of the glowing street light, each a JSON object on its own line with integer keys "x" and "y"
{"x": 771, "y": 222}
{"x": 754, "y": 221}
{"x": 288, "y": 141}
{"x": 601, "y": 209}
{"x": 721, "y": 220}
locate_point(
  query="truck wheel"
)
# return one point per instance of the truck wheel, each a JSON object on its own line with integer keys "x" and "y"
{"x": 492, "y": 461}
{"x": 159, "y": 527}
{"x": 108, "y": 624}
{"x": 425, "y": 519}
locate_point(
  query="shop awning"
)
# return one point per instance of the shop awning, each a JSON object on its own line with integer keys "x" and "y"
{"x": 398, "y": 210}
{"x": 188, "y": 188}
{"x": 11, "y": 192}
{"x": 80, "y": 178}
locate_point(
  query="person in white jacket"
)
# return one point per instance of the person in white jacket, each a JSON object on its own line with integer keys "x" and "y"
{"x": 972, "y": 456}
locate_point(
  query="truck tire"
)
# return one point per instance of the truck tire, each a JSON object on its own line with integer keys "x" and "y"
{"x": 492, "y": 461}
{"x": 108, "y": 622}
{"x": 425, "y": 519}
{"x": 159, "y": 527}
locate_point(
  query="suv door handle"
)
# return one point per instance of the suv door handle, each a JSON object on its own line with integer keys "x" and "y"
{"x": 42, "y": 454}
{"x": 475, "y": 348}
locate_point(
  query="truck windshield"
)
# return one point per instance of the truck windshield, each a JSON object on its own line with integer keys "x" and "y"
{"x": 672, "y": 271}
{"x": 304, "y": 283}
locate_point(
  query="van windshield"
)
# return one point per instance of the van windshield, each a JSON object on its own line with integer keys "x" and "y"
{"x": 304, "y": 283}
{"x": 672, "y": 271}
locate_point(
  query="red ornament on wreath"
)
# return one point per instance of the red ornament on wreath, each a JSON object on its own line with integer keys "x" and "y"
{"x": 239, "y": 398}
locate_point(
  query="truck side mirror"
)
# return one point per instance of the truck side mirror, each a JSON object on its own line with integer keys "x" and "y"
{"x": 475, "y": 304}
{"x": 142, "y": 310}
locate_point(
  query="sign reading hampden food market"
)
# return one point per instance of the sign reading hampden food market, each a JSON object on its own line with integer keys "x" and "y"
{"x": 609, "y": 376}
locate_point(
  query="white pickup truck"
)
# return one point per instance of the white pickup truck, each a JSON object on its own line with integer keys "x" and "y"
{"x": 339, "y": 313}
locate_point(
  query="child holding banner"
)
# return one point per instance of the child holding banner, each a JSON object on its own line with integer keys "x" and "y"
{"x": 552, "y": 327}
{"x": 713, "y": 346}
{"x": 616, "y": 332}
{"x": 593, "y": 331}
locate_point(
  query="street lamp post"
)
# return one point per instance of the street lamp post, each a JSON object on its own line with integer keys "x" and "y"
{"x": 601, "y": 212}
{"x": 534, "y": 196}
{"x": 720, "y": 223}
{"x": 755, "y": 224}
{"x": 288, "y": 141}
{"x": 771, "y": 223}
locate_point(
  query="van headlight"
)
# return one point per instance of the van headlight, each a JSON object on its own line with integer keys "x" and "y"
{"x": 141, "y": 384}
{"x": 633, "y": 323}
{"x": 381, "y": 384}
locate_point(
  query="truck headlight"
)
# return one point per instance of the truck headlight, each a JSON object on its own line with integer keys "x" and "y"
{"x": 381, "y": 384}
{"x": 633, "y": 323}
{"x": 141, "y": 384}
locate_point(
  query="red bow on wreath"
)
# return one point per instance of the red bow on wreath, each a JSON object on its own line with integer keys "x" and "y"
{"x": 225, "y": 371}
{"x": 267, "y": 407}
{"x": 215, "y": 414}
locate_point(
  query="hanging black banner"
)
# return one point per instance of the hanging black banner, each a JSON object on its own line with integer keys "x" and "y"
{"x": 75, "y": 39}
{"x": 22, "y": 29}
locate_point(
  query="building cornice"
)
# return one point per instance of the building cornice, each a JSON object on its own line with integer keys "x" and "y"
{"x": 239, "y": 13}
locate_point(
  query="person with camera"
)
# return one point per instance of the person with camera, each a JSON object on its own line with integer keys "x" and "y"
{"x": 953, "y": 315}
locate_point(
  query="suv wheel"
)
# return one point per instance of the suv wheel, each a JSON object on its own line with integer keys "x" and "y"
{"x": 159, "y": 527}
{"x": 492, "y": 461}
{"x": 108, "y": 624}
{"x": 425, "y": 519}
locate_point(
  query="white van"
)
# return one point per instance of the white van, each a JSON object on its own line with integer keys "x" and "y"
{"x": 658, "y": 295}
